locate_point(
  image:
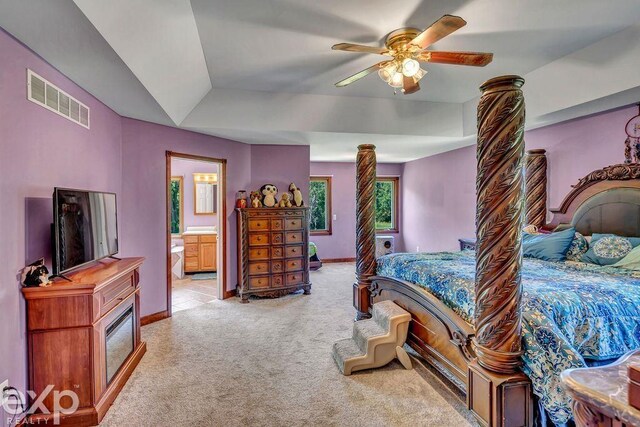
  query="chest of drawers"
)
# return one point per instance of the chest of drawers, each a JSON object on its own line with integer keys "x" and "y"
{"x": 273, "y": 251}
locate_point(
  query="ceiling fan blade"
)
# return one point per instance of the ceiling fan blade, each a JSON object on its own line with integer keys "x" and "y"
{"x": 409, "y": 85}
{"x": 350, "y": 47}
{"x": 475, "y": 59}
{"x": 439, "y": 29}
{"x": 361, "y": 74}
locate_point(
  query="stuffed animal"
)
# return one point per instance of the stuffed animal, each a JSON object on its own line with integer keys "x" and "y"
{"x": 285, "y": 200}
{"x": 256, "y": 201}
{"x": 269, "y": 192}
{"x": 297, "y": 195}
{"x": 36, "y": 274}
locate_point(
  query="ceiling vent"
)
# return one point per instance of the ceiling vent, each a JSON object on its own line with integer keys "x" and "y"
{"x": 52, "y": 98}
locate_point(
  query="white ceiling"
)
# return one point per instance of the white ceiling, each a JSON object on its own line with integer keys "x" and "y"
{"x": 262, "y": 71}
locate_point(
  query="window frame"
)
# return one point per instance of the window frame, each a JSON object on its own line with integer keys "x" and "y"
{"x": 328, "y": 231}
{"x": 180, "y": 180}
{"x": 395, "y": 180}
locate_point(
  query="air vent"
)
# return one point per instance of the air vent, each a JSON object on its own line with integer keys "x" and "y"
{"x": 52, "y": 98}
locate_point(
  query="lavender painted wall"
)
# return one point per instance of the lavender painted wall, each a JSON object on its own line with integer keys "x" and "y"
{"x": 144, "y": 192}
{"x": 186, "y": 168}
{"x": 143, "y": 203}
{"x": 439, "y": 191}
{"x": 342, "y": 242}
{"x": 38, "y": 151}
{"x": 280, "y": 165}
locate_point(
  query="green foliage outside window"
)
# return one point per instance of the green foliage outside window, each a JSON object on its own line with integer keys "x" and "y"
{"x": 318, "y": 205}
{"x": 385, "y": 200}
{"x": 175, "y": 206}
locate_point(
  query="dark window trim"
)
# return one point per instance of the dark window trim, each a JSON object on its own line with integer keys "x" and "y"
{"x": 396, "y": 203}
{"x": 328, "y": 230}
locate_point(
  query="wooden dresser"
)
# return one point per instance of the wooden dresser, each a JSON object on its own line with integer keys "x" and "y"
{"x": 273, "y": 251}
{"x": 84, "y": 337}
{"x": 200, "y": 252}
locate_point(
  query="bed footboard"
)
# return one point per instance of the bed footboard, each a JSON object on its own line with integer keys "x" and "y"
{"x": 444, "y": 340}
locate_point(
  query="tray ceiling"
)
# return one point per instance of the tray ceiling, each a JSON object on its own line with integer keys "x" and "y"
{"x": 262, "y": 71}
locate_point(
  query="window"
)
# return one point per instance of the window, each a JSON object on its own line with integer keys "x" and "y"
{"x": 320, "y": 205}
{"x": 177, "y": 214}
{"x": 387, "y": 204}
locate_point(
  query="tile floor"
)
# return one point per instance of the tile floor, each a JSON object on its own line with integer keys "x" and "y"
{"x": 188, "y": 293}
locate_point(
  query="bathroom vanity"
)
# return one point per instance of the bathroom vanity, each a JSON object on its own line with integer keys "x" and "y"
{"x": 200, "y": 249}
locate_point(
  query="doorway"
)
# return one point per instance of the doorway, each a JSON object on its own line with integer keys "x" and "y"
{"x": 196, "y": 230}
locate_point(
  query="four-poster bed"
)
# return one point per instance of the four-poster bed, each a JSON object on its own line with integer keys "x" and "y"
{"x": 478, "y": 344}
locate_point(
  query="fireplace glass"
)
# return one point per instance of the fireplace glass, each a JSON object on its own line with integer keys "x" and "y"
{"x": 120, "y": 337}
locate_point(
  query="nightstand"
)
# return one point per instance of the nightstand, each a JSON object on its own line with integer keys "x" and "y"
{"x": 467, "y": 244}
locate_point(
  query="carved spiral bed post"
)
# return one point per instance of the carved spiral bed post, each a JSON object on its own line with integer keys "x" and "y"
{"x": 497, "y": 391}
{"x": 536, "y": 188}
{"x": 365, "y": 228}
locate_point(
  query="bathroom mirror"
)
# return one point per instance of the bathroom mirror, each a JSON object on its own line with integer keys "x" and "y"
{"x": 205, "y": 193}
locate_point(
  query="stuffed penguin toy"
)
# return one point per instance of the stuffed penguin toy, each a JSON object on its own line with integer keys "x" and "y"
{"x": 269, "y": 192}
{"x": 297, "y": 195}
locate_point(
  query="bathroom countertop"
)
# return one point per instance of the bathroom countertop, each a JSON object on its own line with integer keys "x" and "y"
{"x": 198, "y": 232}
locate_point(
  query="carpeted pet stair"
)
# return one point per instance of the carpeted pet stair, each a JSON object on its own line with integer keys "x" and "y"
{"x": 376, "y": 341}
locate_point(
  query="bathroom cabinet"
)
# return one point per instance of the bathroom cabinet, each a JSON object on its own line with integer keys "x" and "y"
{"x": 200, "y": 252}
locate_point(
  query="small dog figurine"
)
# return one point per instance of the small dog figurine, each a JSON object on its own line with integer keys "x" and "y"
{"x": 255, "y": 199}
{"x": 297, "y": 195}
{"x": 36, "y": 274}
{"x": 285, "y": 200}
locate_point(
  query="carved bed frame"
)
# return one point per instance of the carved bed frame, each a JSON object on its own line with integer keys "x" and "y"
{"x": 483, "y": 360}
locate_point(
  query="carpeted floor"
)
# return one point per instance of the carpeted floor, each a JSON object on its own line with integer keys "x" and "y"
{"x": 269, "y": 363}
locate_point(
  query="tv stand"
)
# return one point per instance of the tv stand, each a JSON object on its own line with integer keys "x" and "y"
{"x": 114, "y": 257}
{"x": 62, "y": 276}
{"x": 68, "y": 327}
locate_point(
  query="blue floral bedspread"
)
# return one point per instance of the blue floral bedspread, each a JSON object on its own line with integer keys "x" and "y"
{"x": 572, "y": 312}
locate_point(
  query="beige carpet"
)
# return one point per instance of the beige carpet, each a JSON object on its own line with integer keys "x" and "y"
{"x": 269, "y": 363}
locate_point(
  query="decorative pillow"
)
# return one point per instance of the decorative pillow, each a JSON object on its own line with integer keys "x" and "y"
{"x": 549, "y": 247}
{"x": 631, "y": 261}
{"x": 607, "y": 249}
{"x": 578, "y": 247}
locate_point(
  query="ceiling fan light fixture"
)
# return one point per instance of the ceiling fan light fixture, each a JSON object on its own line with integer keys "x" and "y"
{"x": 410, "y": 67}
{"x": 396, "y": 81}
{"x": 387, "y": 73}
{"x": 419, "y": 74}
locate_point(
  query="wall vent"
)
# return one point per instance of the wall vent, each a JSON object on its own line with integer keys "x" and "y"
{"x": 54, "y": 99}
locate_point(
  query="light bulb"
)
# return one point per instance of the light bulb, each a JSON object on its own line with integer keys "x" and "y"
{"x": 396, "y": 80}
{"x": 410, "y": 67}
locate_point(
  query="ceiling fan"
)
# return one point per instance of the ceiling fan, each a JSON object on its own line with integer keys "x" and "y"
{"x": 407, "y": 47}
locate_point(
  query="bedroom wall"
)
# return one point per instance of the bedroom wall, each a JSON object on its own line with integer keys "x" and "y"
{"x": 144, "y": 146}
{"x": 439, "y": 191}
{"x": 38, "y": 151}
{"x": 143, "y": 191}
{"x": 342, "y": 242}
{"x": 280, "y": 165}
{"x": 186, "y": 168}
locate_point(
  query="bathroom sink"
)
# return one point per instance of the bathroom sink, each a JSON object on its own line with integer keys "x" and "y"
{"x": 201, "y": 230}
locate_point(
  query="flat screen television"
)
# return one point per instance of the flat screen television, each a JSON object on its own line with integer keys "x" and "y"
{"x": 85, "y": 228}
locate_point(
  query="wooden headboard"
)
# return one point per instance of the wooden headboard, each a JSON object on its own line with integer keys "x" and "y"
{"x": 605, "y": 201}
